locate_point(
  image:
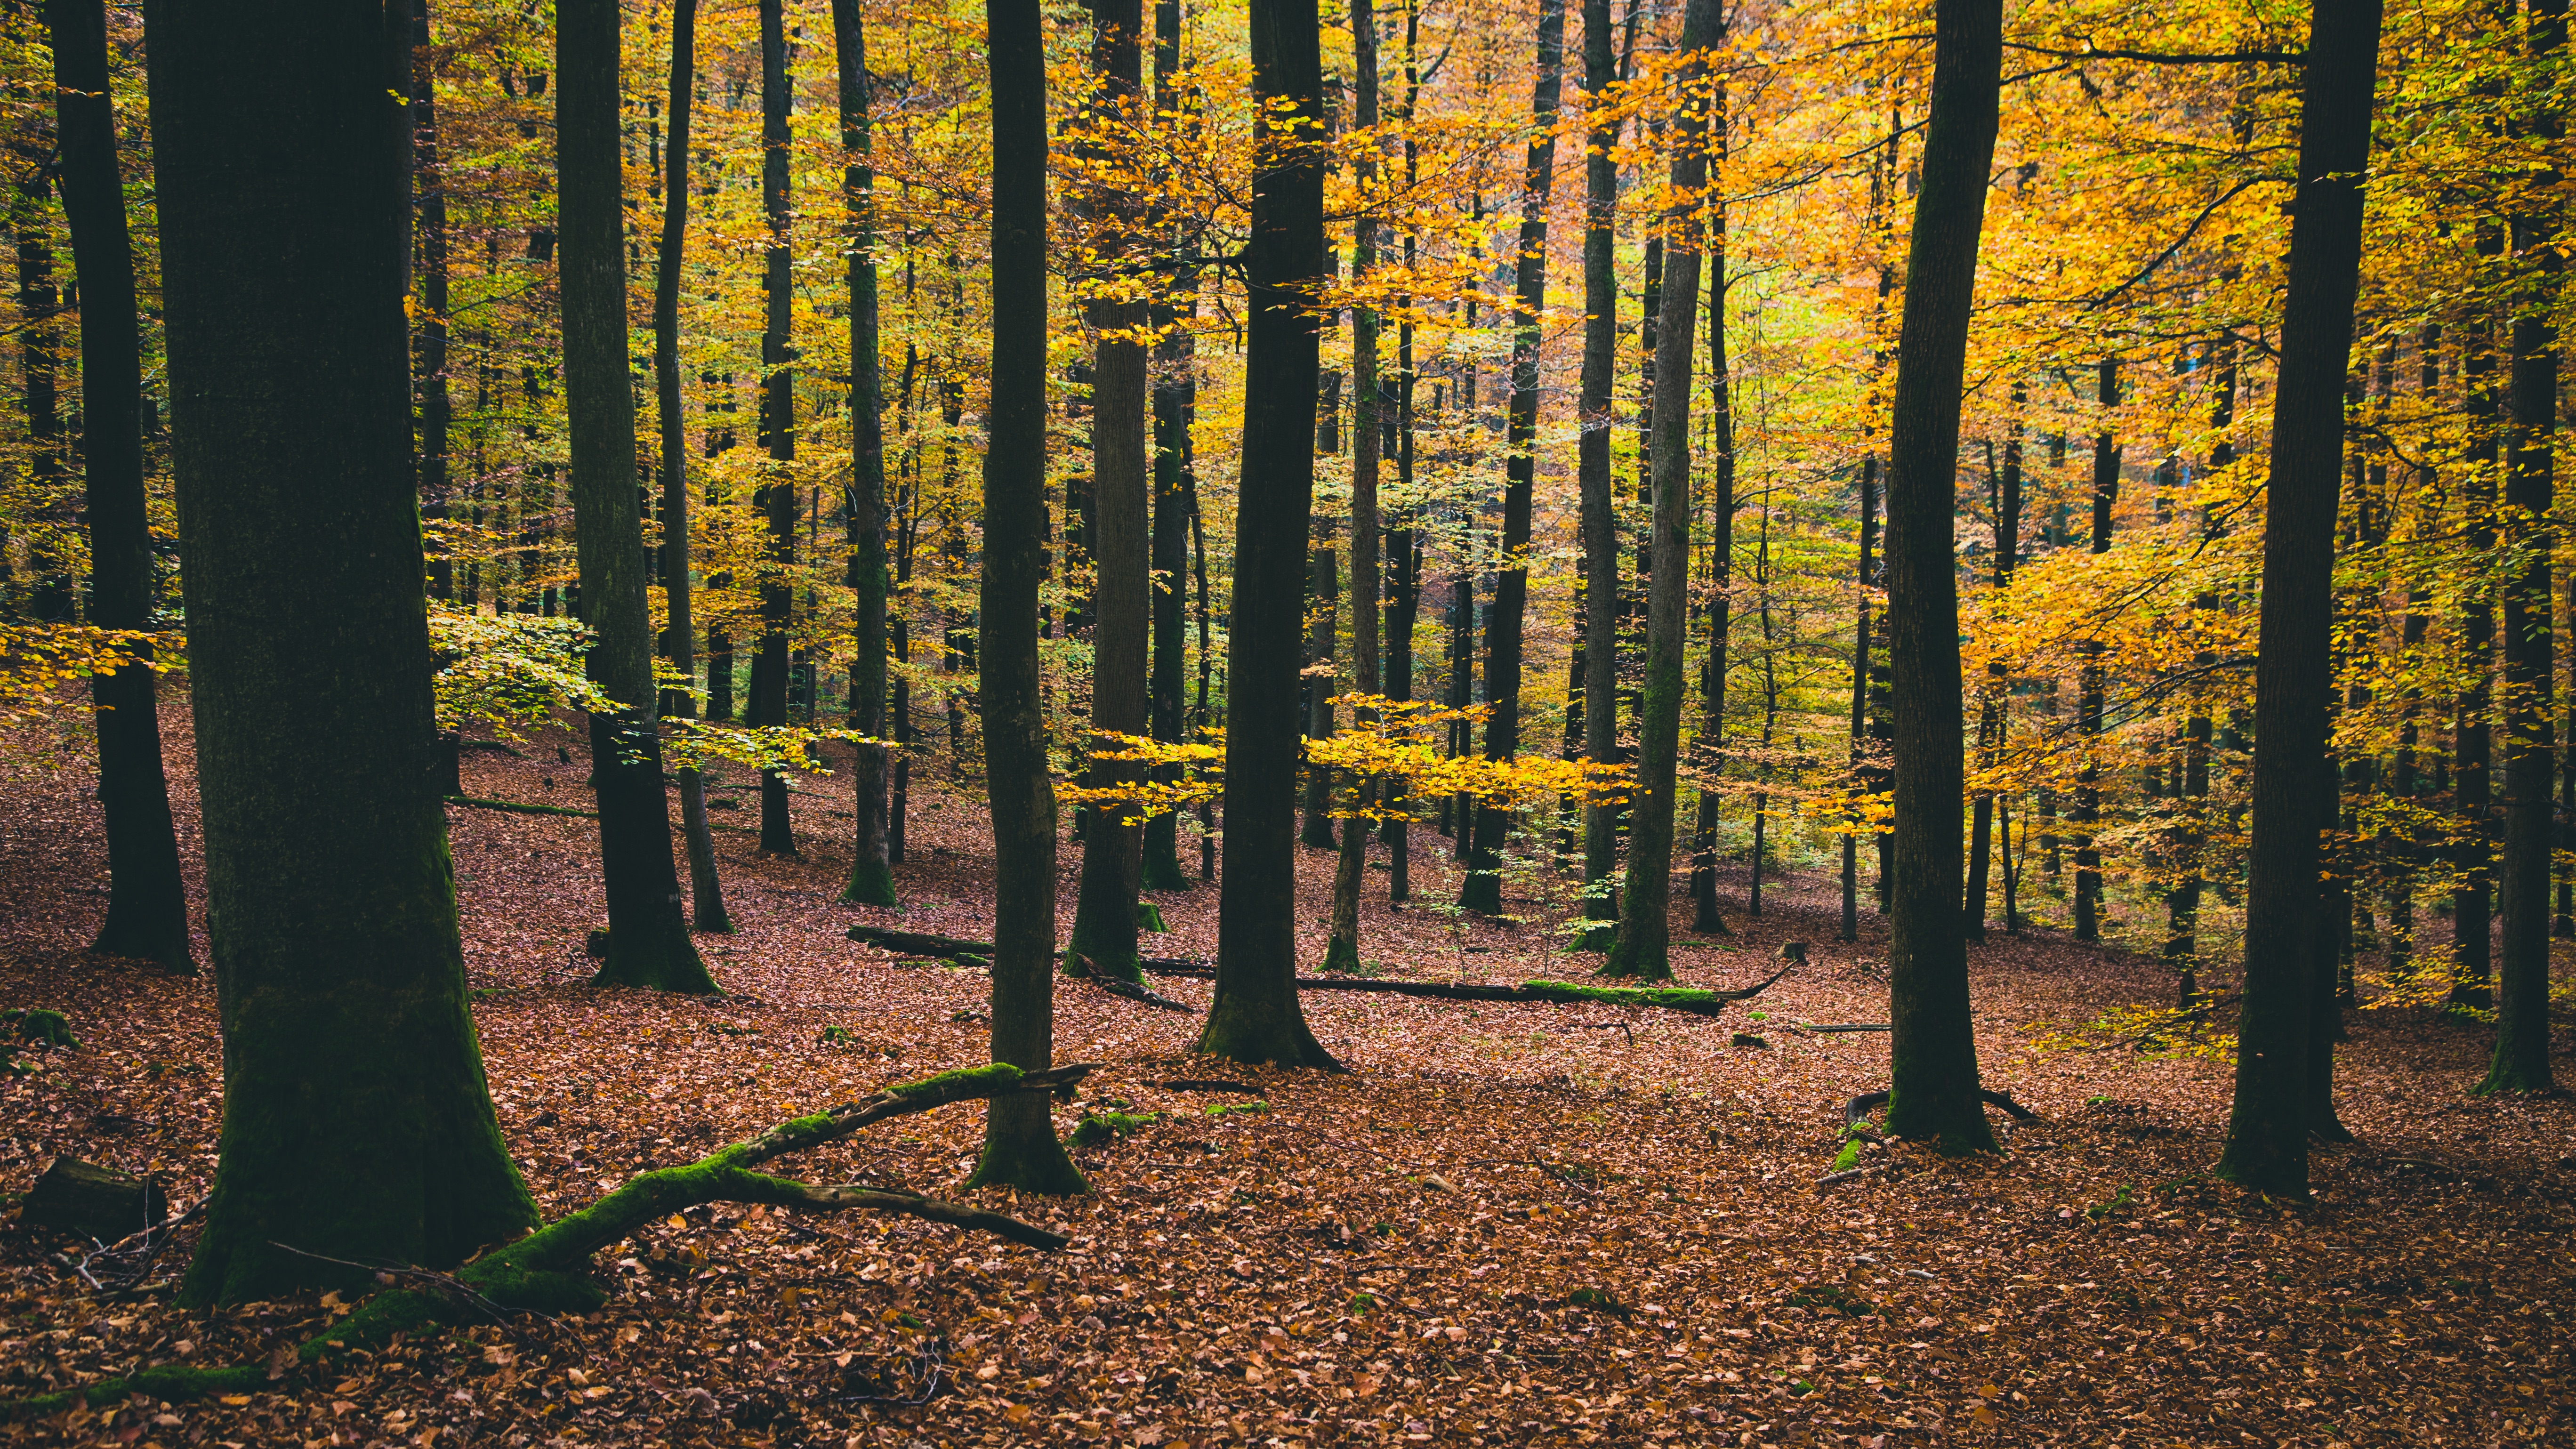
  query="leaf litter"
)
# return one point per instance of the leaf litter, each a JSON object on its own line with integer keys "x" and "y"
{"x": 1504, "y": 1226}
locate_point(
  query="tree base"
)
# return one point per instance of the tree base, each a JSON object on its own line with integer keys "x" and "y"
{"x": 1130, "y": 968}
{"x": 1954, "y": 1128}
{"x": 1021, "y": 1151}
{"x": 1341, "y": 955}
{"x": 1482, "y": 892}
{"x": 1632, "y": 959}
{"x": 1264, "y": 1038}
{"x": 871, "y": 884}
{"x": 665, "y": 966}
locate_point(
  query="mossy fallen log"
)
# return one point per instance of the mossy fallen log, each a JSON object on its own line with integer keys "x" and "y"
{"x": 548, "y": 1270}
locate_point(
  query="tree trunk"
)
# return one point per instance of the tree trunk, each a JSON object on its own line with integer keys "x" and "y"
{"x": 1020, "y": 1146}
{"x": 1862, "y": 776}
{"x": 355, "y": 1118}
{"x": 871, "y": 880}
{"x": 648, "y": 938}
{"x": 2091, "y": 684}
{"x": 706, "y": 891}
{"x": 1643, "y": 947}
{"x": 1990, "y": 717}
{"x": 2267, "y": 1130}
{"x": 2521, "y": 1061}
{"x": 1404, "y": 604}
{"x": 51, "y": 600}
{"x": 1367, "y": 443}
{"x": 1932, "y": 1067}
{"x": 1160, "y": 869}
{"x": 1721, "y": 567}
{"x": 429, "y": 193}
{"x": 1255, "y": 1016}
{"x": 1481, "y": 888}
{"x": 1599, "y": 648}
{"x": 2473, "y": 736}
{"x": 1324, "y": 593}
{"x": 1104, "y": 919}
{"x": 775, "y": 499}
{"x": 147, "y": 904}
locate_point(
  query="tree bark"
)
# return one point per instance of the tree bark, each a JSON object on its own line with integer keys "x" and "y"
{"x": 147, "y": 904}
{"x": 1598, "y": 652}
{"x": 1861, "y": 773}
{"x": 2091, "y": 684}
{"x": 429, "y": 195}
{"x": 1255, "y": 1016}
{"x": 1367, "y": 444}
{"x": 2267, "y": 1130}
{"x": 871, "y": 880}
{"x": 648, "y": 938}
{"x": 1481, "y": 888}
{"x": 1721, "y": 568}
{"x": 2473, "y": 736}
{"x": 1932, "y": 1068}
{"x": 1643, "y": 946}
{"x": 706, "y": 891}
{"x": 1104, "y": 918}
{"x": 1173, "y": 392}
{"x": 355, "y": 1117}
{"x": 775, "y": 499}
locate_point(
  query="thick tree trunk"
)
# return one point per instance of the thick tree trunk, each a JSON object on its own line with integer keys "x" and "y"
{"x": 1932, "y": 1067}
{"x": 1020, "y": 1146}
{"x": 648, "y": 941}
{"x": 1367, "y": 443}
{"x": 147, "y": 903}
{"x": 1104, "y": 919}
{"x": 2267, "y": 1130}
{"x": 1481, "y": 888}
{"x": 1255, "y": 1016}
{"x": 871, "y": 880}
{"x": 2521, "y": 1061}
{"x": 776, "y": 497}
{"x": 706, "y": 892}
{"x": 355, "y": 1118}
{"x": 1599, "y": 650}
{"x": 1643, "y": 946}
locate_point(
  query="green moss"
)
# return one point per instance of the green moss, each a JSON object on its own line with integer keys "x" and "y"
{"x": 1020, "y": 1151}
{"x": 40, "y": 1024}
{"x": 1849, "y": 1157}
{"x": 961, "y": 1084}
{"x": 1149, "y": 917}
{"x": 1093, "y": 1130}
{"x": 871, "y": 884}
{"x": 175, "y": 1383}
{"x": 1631, "y": 959}
{"x": 1342, "y": 956}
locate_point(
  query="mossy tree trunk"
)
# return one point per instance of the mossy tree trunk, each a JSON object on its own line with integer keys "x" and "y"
{"x": 1255, "y": 1016}
{"x": 147, "y": 902}
{"x": 648, "y": 938}
{"x": 1643, "y": 947}
{"x": 355, "y": 1118}
{"x": 1020, "y": 1146}
{"x": 871, "y": 880}
{"x": 2267, "y": 1129}
{"x": 1932, "y": 1075}
{"x": 1104, "y": 918}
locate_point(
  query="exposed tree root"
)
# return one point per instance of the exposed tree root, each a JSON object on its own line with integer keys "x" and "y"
{"x": 548, "y": 1269}
{"x": 1859, "y": 1108}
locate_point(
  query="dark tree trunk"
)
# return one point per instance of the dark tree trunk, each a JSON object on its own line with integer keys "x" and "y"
{"x": 1020, "y": 1146}
{"x": 2267, "y": 1130}
{"x": 429, "y": 194}
{"x": 1643, "y": 946}
{"x": 1862, "y": 774}
{"x": 648, "y": 939}
{"x": 2191, "y": 838}
{"x": 1367, "y": 445}
{"x": 1721, "y": 564}
{"x": 2521, "y": 1061}
{"x": 776, "y": 497}
{"x": 1404, "y": 600}
{"x": 1323, "y": 601}
{"x": 147, "y": 904}
{"x": 1255, "y": 1016}
{"x": 1482, "y": 886}
{"x": 871, "y": 880}
{"x": 1932, "y": 1067}
{"x": 51, "y": 600}
{"x": 1991, "y": 716}
{"x": 1598, "y": 653}
{"x": 2473, "y": 736}
{"x": 1160, "y": 868}
{"x": 1104, "y": 919}
{"x": 2091, "y": 684}
{"x": 356, "y": 1123}
{"x": 706, "y": 892}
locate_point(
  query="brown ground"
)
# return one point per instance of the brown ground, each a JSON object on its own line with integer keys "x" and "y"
{"x": 1509, "y": 1224}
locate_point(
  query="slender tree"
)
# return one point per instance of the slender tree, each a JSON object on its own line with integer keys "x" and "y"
{"x": 1104, "y": 918}
{"x": 2267, "y": 1130}
{"x": 1481, "y": 887}
{"x": 1020, "y": 1146}
{"x": 356, "y": 1123}
{"x": 871, "y": 880}
{"x": 429, "y": 204}
{"x": 1933, "y": 1058}
{"x": 706, "y": 891}
{"x": 1175, "y": 390}
{"x": 1721, "y": 562}
{"x": 775, "y": 499}
{"x": 2473, "y": 733}
{"x": 2092, "y": 683}
{"x": 1598, "y": 654}
{"x": 1255, "y": 1016}
{"x": 147, "y": 902}
{"x": 1342, "y": 952}
{"x": 1643, "y": 947}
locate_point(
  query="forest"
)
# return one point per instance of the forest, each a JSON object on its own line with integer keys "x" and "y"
{"x": 1633, "y": 722}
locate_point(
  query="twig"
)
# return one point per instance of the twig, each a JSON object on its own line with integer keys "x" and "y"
{"x": 437, "y": 1282}
{"x": 929, "y": 1359}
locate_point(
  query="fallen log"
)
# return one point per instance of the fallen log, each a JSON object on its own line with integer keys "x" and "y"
{"x": 547, "y": 1271}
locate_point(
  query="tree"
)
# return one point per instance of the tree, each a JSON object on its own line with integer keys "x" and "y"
{"x": 1173, "y": 390}
{"x": 1932, "y": 1067}
{"x": 871, "y": 880}
{"x": 356, "y": 1123}
{"x": 648, "y": 939}
{"x": 1104, "y": 919}
{"x": 1598, "y": 656}
{"x": 1643, "y": 947}
{"x": 2267, "y": 1129}
{"x": 1020, "y": 1146}
{"x": 1482, "y": 887}
{"x": 1255, "y": 1016}
{"x": 147, "y": 903}
{"x": 706, "y": 898}
{"x": 1342, "y": 952}
{"x": 775, "y": 499}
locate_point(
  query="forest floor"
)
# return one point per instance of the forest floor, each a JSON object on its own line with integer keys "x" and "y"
{"x": 1507, "y": 1224}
